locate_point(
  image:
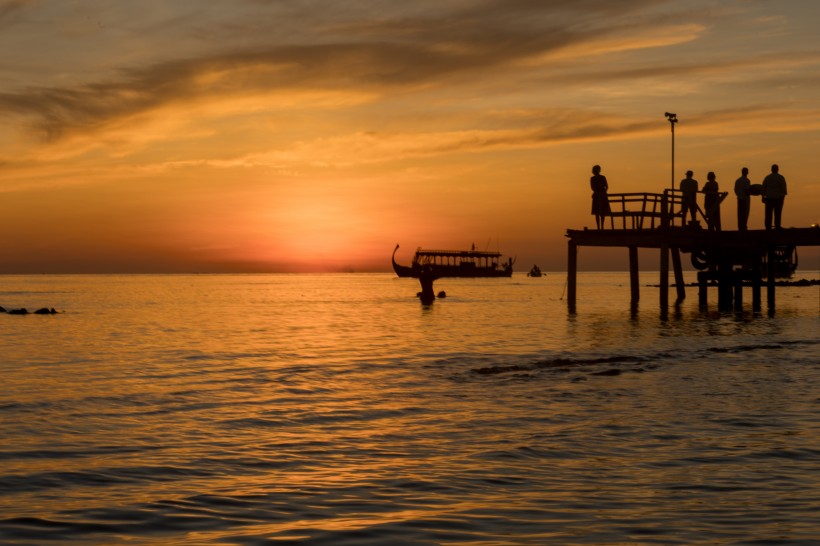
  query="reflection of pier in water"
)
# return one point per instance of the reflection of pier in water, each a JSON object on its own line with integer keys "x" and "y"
{"x": 728, "y": 258}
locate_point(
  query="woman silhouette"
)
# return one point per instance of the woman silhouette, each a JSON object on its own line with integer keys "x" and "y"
{"x": 600, "y": 199}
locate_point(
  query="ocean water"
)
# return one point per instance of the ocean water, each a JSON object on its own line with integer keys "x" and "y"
{"x": 337, "y": 410}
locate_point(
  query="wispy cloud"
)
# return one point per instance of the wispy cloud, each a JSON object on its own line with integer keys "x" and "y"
{"x": 347, "y": 59}
{"x": 375, "y": 56}
{"x": 8, "y": 7}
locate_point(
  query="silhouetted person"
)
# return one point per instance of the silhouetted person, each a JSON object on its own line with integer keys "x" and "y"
{"x": 689, "y": 189}
{"x": 426, "y": 278}
{"x": 743, "y": 188}
{"x": 774, "y": 192}
{"x": 600, "y": 199}
{"x": 711, "y": 202}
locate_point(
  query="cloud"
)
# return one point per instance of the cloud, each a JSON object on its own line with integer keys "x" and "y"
{"x": 362, "y": 148}
{"x": 346, "y": 58}
{"x": 10, "y": 7}
{"x": 379, "y": 55}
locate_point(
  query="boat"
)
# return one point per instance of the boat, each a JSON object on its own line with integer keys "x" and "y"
{"x": 455, "y": 263}
{"x": 535, "y": 272}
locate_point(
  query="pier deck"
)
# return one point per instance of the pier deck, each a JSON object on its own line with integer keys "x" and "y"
{"x": 728, "y": 258}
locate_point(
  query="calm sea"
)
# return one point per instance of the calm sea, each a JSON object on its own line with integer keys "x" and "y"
{"x": 336, "y": 410}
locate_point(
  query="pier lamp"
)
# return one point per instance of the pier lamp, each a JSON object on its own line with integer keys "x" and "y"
{"x": 673, "y": 119}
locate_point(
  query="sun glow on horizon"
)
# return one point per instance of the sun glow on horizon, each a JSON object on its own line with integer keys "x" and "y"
{"x": 321, "y": 146}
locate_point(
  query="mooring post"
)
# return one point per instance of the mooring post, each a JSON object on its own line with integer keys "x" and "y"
{"x": 572, "y": 270}
{"x": 664, "y": 276}
{"x": 676, "y": 265}
{"x": 633, "y": 274}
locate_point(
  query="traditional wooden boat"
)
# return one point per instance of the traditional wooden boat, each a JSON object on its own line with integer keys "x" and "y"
{"x": 455, "y": 263}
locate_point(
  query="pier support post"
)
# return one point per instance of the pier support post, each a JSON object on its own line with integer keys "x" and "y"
{"x": 676, "y": 265}
{"x": 664, "y": 276}
{"x": 572, "y": 270}
{"x": 633, "y": 274}
{"x": 770, "y": 264}
{"x": 703, "y": 279}
{"x": 738, "y": 279}
{"x": 725, "y": 286}
{"x": 756, "y": 282}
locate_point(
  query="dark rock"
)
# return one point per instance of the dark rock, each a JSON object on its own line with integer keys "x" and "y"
{"x": 45, "y": 311}
{"x": 22, "y": 311}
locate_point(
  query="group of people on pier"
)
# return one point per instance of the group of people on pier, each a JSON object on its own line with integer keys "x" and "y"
{"x": 772, "y": 190}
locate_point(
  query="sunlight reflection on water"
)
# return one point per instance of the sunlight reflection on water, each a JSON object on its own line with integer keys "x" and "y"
{"x": 335, "y": 409}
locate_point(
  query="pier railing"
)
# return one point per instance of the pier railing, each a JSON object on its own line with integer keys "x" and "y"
{"x": 652, "y": 210}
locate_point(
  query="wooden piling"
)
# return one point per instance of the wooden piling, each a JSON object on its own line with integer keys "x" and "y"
{"x": 703, "y": 279}
{"x": 756, "y": 282}
{"x": 633, "y": 274}
{"x": 738, "y": 278}
{"x": 664, "y": 276}
{"x": 725, "y": 286}
{"x": 572, "y": 273}
{"x": 676, "y": 265}
{"x": 770, "y": 263}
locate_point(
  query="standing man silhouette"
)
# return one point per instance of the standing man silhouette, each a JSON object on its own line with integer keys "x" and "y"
{"x": 774, "y": 192}
{"x": 689, "y": 187}
{"x": 743, "y": 188}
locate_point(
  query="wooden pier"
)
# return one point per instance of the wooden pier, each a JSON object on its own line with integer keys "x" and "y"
{"x": 729, "y": 259}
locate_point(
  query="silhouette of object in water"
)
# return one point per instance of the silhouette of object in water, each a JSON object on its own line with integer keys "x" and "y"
{"x": 600, "y": 199}
{"x": 426, "y": 278}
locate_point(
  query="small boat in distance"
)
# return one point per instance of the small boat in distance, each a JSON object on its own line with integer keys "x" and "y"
{"x": 455, "y": 263}
{"x": 535, "y": 271}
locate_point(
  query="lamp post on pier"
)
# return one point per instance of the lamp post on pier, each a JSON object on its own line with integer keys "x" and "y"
{"x": 673, "y": 119}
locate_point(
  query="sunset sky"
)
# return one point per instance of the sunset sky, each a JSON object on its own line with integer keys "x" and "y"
{"x": 314, "y": 135}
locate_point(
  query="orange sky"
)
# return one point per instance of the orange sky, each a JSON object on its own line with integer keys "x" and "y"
{"x": 260, "y": 135}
